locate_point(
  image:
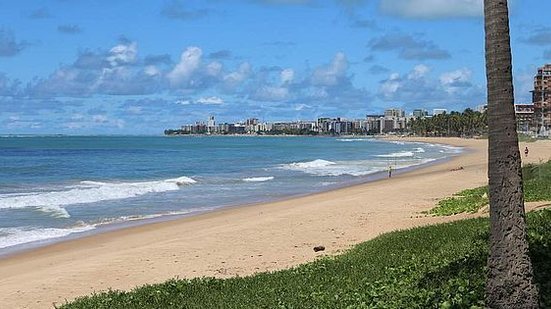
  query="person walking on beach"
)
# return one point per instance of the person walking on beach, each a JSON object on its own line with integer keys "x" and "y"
{"x": 389, "y": 171}
{"x": 526, "y": 152}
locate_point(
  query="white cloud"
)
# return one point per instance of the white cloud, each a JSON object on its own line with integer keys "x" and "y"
{"x": 391, "y": 85}
{"x": 124, "y": 53}
{"x": 270, "y": 93}
{"x": 419, "y": 71}
{"x": 152, "y": 70}
{"x": 418, "y": 86}
{"x": 189, "y": 63}
{"x": 120, "y": 123}
{"x": 183, "y": 102}
{"x": 214, "y": 68}
{"x": 301, "y": 107}
{"x": 287, "y": 76}
{"x": 452, "y": 81}
{"x": 432, "y": 9}
{"x": 234, "y": 79}
{"x": 210, "y": 100}
{"x": 318, "y": 93}
{"x": 331, "y": 74}
{"x": 100, "y": 119}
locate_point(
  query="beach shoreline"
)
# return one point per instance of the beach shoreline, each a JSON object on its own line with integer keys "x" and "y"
{"x": 162, "y": 218}
{"x": 159, "y": 218}
{"x": 242, "y": 240}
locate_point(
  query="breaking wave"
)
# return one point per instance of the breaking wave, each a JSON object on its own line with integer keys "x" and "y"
{"x": 355, "y": 139}
{"x": 16, "y": 236}
{"x": 258, "y": 179}
{"x": 88, "y": 192}
{"x": 321, "y": 167}
{"x": 401, "y": 154}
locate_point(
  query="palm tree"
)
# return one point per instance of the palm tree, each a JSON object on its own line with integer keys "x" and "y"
{"x": 510, "y": 279}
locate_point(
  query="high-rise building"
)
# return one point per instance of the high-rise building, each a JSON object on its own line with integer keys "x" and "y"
{"x": 420, "y": 113}
{"x": 525, "y": 117}
{"x": 394, "y": 112}
{"x": 439, "y": 111}
{"x": 211, "y": 125}
{"x": 541, "y": 97}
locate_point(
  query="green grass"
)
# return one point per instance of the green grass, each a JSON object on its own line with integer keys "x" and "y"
{"x": 537, "y": 182}
{"x": 537, "y": 187}
{"x": 441, "y": 266}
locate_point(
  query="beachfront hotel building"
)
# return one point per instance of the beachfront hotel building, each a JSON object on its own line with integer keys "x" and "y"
{"x": 525, "y": 117}
{"x": 211, "y": 125}
{"x": 541, "y": 98}
{"x": 439, "y": 111}
{"x": 395, "y": 112}
{"x": 420, "y": 113}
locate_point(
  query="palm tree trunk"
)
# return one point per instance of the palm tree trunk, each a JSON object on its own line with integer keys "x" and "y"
{"x": 510, "y": 279}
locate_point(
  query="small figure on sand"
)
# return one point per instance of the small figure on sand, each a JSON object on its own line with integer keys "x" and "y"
{"x": 389, "y": 171}
{"x": 526, "y": 152}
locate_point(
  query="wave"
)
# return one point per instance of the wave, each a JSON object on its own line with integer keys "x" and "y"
{"x": 397, "y": 142}
{"x": 321, "y": 167}
{"x": 131, "y": 218}
{"x": 419, "y": 150}
{"x": 15, "y": 236}
{"x": 258, "y": 179}
{"x": 88, "y": 192}
{"x": 401, "y": 154}
{"x": 310, "y": 164}
{"x": 451, "y": 149}
{"x": 355, "y": 139}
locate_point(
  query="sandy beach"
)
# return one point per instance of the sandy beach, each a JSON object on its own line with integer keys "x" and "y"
{"x": 243, "y": 240}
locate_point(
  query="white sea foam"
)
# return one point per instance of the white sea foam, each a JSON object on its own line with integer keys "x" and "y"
{"x": 419, "y": 150}
{"x": 258, "y": 179}
{"x": 397, "y": 142}
{"x": 122, "y": 219}
{"x": 310, "y": 164}
{"x": 355, "y": 139}
{"x": 88, "y": 192}
{"x": 401, "y": 154}
{"x": 16, "y": 236}
{"x": 321, "y": 167}
{"x": 428, "y": 160}
{"x": 451, "y": 149}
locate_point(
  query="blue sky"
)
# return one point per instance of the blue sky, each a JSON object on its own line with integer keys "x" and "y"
{"x": 138, "y": 67}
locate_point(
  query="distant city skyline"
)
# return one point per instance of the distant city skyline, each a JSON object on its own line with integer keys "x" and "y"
{"x": 138, "y": 67}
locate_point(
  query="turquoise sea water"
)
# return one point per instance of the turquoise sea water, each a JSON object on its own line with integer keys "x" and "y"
{"x": 53, "y": 187}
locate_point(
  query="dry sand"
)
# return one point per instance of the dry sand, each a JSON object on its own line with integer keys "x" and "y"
{"x": 243, "y": 240}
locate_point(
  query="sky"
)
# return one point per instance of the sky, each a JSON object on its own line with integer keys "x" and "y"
{"x": 139, "y": 67}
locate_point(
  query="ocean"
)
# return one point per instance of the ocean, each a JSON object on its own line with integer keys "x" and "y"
{"x": 57, "y": 187}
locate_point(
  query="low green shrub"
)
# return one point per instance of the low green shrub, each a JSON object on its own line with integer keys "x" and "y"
{"x": 537, "y": 188}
